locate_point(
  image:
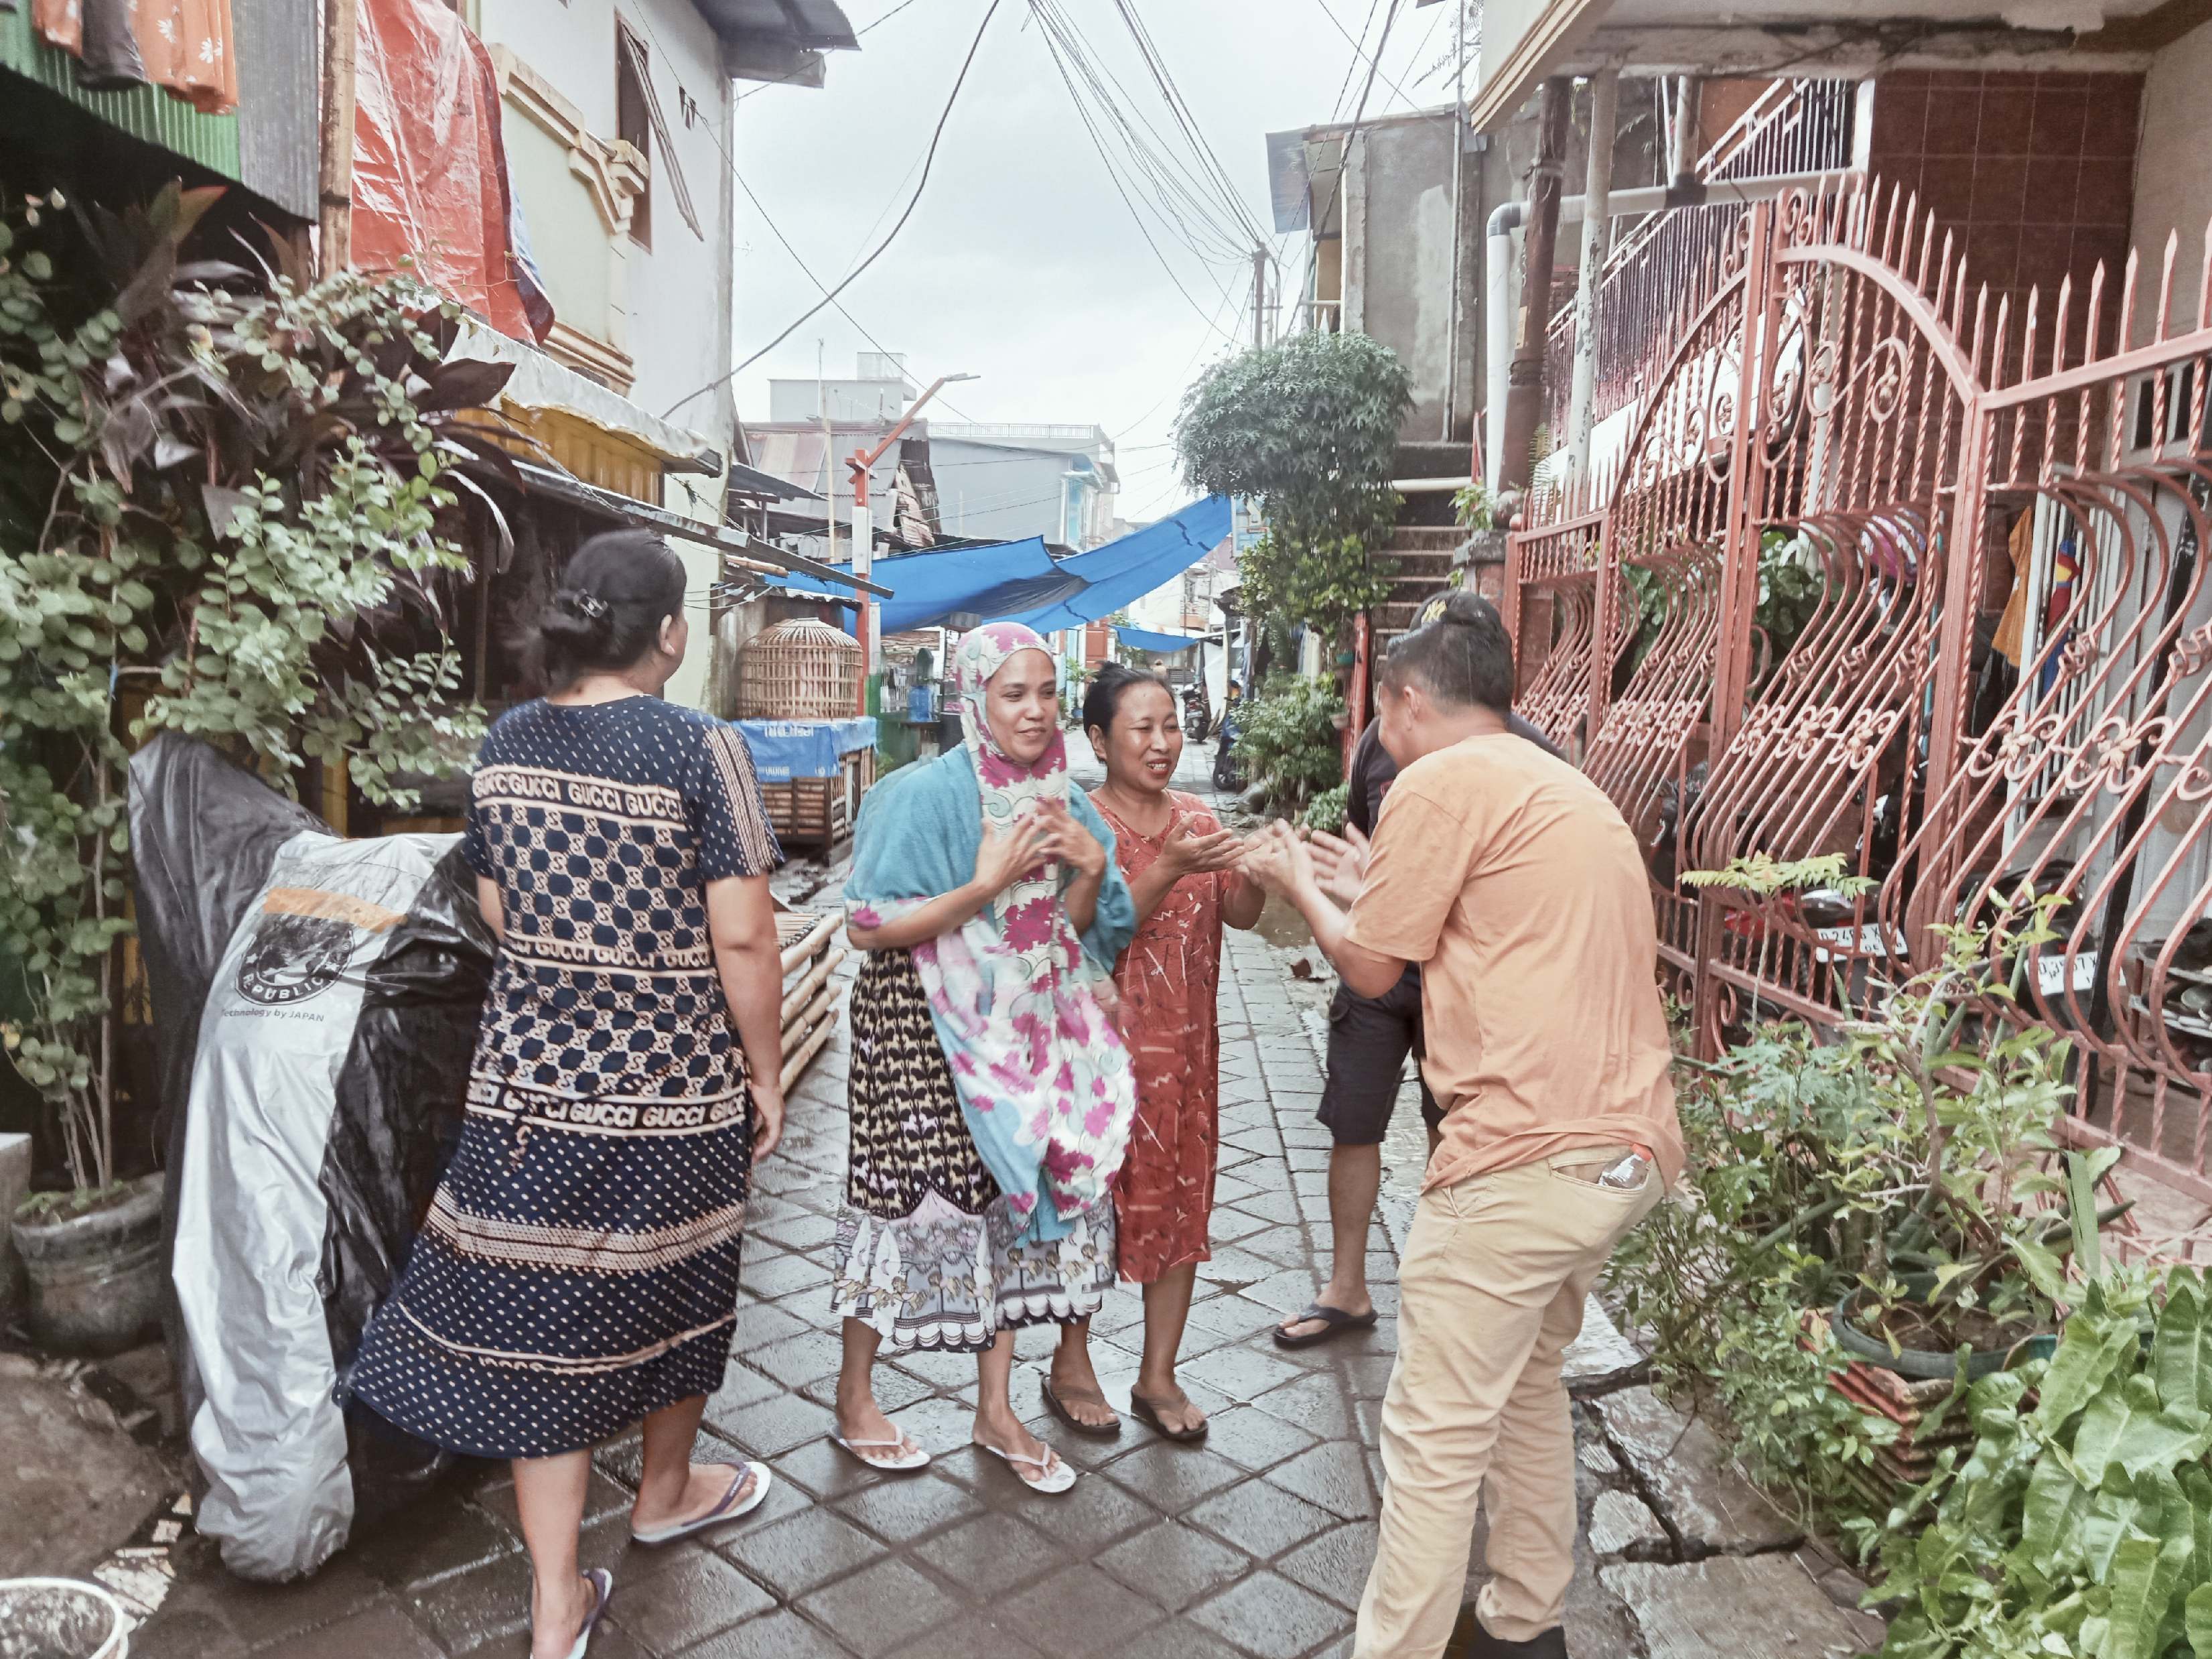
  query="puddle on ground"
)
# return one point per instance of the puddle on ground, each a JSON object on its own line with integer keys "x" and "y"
{"x": 1282, "y": 927}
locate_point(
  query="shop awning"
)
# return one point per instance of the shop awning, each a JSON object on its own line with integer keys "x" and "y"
{"x": 540, "y": 386}
{"x": 1020, "y": 581}
{"x": 750, "y": 550}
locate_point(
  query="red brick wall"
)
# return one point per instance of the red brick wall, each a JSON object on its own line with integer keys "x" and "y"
{"x": 2034, "y": 172}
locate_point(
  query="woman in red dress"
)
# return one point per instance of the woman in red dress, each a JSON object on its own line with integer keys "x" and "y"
{"x": 1181, "y": 866}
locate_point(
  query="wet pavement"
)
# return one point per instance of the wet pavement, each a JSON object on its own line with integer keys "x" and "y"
{"x": 1254, "y": 1544}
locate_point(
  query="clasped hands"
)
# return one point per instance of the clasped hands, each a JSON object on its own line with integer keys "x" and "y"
{"x": 1287, "y": 861}
{"x": 1275, "y": 857}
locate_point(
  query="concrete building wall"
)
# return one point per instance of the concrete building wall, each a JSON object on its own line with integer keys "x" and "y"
{"x": 1398, "y": 257}
{"x": 678, "y": 297}
{"x": 2173, "y": 181}
{"x": 991, "y": 492}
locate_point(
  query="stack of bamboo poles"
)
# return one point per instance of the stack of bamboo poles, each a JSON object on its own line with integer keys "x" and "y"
{"x": 811, "y": 954}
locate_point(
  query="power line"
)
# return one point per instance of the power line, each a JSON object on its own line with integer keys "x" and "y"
{"x": 1178, "y": 193}
{"x": 730, "y": 165}
{"x": 829, "y": 297}
{"x": 1180, "y": 108}
{"x": 1053, "y": 45}
{"x": 1320, "y": 219}
{"x": 1359, "y": 52}
{"x": 782, "y": 80}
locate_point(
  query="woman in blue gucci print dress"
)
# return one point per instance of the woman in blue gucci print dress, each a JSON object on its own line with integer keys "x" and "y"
{"x": 578, "y": 1271}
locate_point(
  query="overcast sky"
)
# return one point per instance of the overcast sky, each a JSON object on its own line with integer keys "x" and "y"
{"x": 1022, "y": 264}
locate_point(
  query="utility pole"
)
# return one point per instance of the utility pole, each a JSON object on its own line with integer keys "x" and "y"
{"x": 864, "y": 538}
{"x": 1259, "y": 298}
{"x": 1524, "y": 396}
{"x": 1597, "y": 242}
{"x": 334, "y": 181}
{"x": 829, "y": 460}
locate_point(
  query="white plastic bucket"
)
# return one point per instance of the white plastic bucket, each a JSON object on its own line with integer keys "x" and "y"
{"x": 61, "y": 1618}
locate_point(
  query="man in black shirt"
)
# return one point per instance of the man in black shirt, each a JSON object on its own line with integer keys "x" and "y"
{"x": 1369, "y": 1038}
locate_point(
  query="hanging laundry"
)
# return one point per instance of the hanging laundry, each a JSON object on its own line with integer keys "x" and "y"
{"x": 2065, "y": 572}
{"x": 184, "y": 46}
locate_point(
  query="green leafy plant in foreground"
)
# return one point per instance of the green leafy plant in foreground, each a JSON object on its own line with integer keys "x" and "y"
{"x": 226, "y": 511}
{"x": 2079, "y": 1522}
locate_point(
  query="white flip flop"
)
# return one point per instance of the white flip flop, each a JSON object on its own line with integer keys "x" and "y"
{"x": 1061, "y": 1477}
{"x": 603, "y": 1589}
{"x": 730, "y": 1507}
{"x": 914, "y": 1458}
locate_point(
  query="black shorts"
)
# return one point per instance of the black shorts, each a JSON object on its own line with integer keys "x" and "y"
{"x": 1369, "y": 1038}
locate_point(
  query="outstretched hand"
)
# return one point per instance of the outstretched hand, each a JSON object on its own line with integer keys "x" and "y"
{"x": 1277, "y": 860}
{"x": 1339, "y": 863}
{"x": 1186, "y": 853}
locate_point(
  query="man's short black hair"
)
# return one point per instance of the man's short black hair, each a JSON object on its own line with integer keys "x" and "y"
{"x": 1462, "y": 657}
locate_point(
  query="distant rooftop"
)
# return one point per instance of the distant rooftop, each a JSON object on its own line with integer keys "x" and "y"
{"x": 1023, "y": 434}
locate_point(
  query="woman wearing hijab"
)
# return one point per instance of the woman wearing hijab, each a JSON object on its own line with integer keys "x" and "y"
{"x": 991, "y": 1095}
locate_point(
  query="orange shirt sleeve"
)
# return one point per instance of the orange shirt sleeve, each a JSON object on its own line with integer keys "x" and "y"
{"x": 1414, "y": 876}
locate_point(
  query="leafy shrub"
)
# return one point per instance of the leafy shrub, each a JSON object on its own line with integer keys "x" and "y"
{"x": 1916, "y": 1139}
{"x": 1289, "y": 740}
{"x": 2079, "y": 1522}
{"x": 223, "y": 512}
{"x": 1310, "y": 428}
{"x": 1327, "y": 810}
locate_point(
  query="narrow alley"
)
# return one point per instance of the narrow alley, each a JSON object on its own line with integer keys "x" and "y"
{"x": 1256, "y": 1543}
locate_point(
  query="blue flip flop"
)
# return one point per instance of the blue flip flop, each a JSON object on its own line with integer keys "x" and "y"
{"x": 727, "y": 1508}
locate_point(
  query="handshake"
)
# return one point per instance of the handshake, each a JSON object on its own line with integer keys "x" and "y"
{"x": 1283, "y": 860}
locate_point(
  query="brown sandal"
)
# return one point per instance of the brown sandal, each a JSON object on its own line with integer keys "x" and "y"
{"x": 1147, "y": 1413}
{"x": 1096, "y": 1431}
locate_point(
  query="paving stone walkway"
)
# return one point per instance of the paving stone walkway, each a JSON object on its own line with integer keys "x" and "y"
{"x": 1256, "y": 1544}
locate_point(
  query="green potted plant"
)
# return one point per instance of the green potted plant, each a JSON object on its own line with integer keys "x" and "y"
{"x": 223, "y": 500}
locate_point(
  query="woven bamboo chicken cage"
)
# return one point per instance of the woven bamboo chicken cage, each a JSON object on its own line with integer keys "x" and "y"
{"x": 800, "y": 669}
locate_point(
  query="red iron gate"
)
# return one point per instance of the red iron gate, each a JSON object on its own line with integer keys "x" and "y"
{"x": 1999, "y": 679}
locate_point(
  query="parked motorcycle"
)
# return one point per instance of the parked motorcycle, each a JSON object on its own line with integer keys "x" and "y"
{"x": 1228, "y": 770}
{"x": 1197, "y": 719}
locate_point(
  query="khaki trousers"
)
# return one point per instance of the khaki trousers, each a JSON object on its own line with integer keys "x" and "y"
{"x": 1491, "y": 1292}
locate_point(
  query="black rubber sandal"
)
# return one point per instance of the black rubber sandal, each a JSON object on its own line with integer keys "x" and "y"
{"x": 1096, "y": 1431}
{"x": 1334, "y": 1322}
{"x": 1146, "y": 1412}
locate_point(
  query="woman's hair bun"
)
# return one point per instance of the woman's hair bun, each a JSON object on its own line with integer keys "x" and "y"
{"x": 1456, "y": 606}
{"x": 607, "y": 614}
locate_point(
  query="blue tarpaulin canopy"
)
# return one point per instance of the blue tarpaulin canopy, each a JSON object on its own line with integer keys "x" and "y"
{"x": 1143, "y": 639}
{"x": 1019, "y": 581}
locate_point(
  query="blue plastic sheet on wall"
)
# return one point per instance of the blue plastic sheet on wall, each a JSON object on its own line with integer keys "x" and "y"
{"x": 784, "y": 750}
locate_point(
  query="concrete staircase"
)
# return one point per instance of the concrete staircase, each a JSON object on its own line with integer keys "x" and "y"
{"x": 1422, "y": 554}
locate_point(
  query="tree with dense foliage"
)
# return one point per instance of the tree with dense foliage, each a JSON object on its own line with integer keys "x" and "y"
{"x": 224, "y": 510}
{"x": 1308, "y": 427}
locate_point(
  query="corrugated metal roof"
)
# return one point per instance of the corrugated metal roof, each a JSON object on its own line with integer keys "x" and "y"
{"x": 818, "y": 25}
{"x": 144, "y": 112}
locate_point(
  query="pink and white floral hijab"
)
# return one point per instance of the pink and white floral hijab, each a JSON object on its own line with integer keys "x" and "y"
{"x": 1044, "y": 1077}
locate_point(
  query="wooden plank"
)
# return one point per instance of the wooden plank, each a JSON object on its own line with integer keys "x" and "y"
{"x": 809, "y": 1047}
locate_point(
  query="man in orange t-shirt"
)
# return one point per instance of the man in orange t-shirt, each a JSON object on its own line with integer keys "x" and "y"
{"x": 1513, "y": 883}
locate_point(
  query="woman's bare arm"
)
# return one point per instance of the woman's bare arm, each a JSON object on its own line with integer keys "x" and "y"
{"x": 741, "y": 921}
